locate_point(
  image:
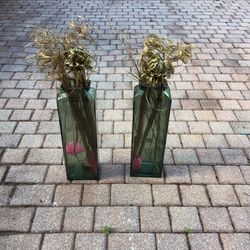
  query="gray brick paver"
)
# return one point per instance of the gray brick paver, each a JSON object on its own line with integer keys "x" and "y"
{"x": 5, "y": 192}
{"x": 222, "y": 195}
{"x": 241, "y": 218}
{"x": 9, "y": 140}
{"x": 185, "y": 156}
{"x": 168, "y": 157}
{"x": 173, "y": 141}
{"x": 26, "y": 127}
{"x": 194, "y": 195}
{"x": 89, "y": 241}
{"x": 171, "y": 241}
{"x": 178, "y": 127}
{"x": 185, "y": 218}
{"x": 105, "y": 155}
{"x": 53, "y": 141}
{"x": 120, "y": 219}
{"x": 225, "y": 115}
{"x": 21, "y": 115}
{"x": 121, "y": 156}
{"x": 48, "y": 127}
{"x": 58, "y": 241}
{"x": 7, "y": 127}
{"x": 204, "y": 242}
{"x": 78, "y": 219}
{"x": 112, "y": 141}
{"x": 220, "y": 127}
{"x": 31, "y": 141}
{"x": 26, "y": 173}
{"x": 112, "y": 174}
{"x": 145, "y": 241}
{"x": 166, "y": 195}
{"x": 229, "y": 175}
{"x": 14, "y": 155}
{"x": 235, "y": 241}
{"x": 234, "y": 156}
{"x": 192, "y": 141}
{"x": 67, "y": 195}
{"x": 2, "y": 171}
{"x": 32, "y": 195}
{"x": 215, "y": 219}
{"x": 202, "y": 174}
{"x": 215, "y": 141}
{"x": 15, "y": 219}
{"x": 20, "y": 241}
{"x": 199, "y": 127}
{"x": 96, "y": 195}
{"x": 47, "y": 219}
{"x": 245, "y": 170}
{"x": 243, "y": 192}
{"x": 132, "y": 194}
{"x": 238, "y": 141}
{"x": 177, "y": 174}
{"x": 45, "y": 156}
{"x": 209, "y": 156}
{"x": 154, "y": 219}
{"x": 56, "y": 174}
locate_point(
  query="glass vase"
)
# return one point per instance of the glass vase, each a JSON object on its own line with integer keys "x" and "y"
{"x": 77, "y": 117}
{"x": 151, "y": 110}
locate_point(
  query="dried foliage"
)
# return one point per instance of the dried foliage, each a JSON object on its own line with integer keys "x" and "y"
{"x": 158, "y": 58}
{"x": 64, "y": 55}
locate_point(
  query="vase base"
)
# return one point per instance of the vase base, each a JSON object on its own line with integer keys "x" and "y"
{"x": 147, "y": 169}
{"x": 72, "y": 178}
{"x": 80, "y": 173}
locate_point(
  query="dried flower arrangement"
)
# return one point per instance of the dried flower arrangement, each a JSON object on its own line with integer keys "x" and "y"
{"x": 152, "y": 101}
{"x": 65, "y": 57}
{"x": 158, "y": 58}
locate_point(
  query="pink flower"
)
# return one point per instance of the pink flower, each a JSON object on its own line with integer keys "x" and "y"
{"x": 137, "y": 163}
{"x": 74, "y": 148}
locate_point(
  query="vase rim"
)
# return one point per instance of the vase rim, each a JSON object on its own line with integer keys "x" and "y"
{"x": 76, "y": 87}
{"x": 163, "y": 85}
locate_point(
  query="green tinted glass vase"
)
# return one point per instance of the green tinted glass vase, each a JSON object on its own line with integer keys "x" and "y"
{"x": 151, "y": 110}
{"x": 77, "y": 116}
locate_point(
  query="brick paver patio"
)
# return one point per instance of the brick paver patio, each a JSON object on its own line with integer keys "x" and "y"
{"x": 203, "y": 200}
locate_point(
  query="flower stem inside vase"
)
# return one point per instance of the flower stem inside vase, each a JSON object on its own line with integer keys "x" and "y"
{"x": 150, "y": 122}
{"x": 153, "y": 114}
{"x": 81, "y": 111}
